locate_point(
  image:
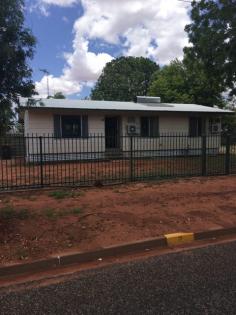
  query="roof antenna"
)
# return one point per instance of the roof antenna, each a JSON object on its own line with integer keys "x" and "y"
{"x": 46, "y": 72}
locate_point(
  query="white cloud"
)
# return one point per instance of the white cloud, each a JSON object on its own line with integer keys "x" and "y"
{"x": 61, "y": 3}
{"x": 60, "y": 84}
{"x": 84, "y": 65}
{"x": 44, "y": 5}
{"x": 151, "y": 28}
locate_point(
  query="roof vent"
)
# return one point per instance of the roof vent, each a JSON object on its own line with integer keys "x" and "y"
{"x": 150, "y": 100}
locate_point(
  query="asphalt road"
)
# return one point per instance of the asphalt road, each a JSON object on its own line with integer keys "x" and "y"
{"x": 200, "y": 281}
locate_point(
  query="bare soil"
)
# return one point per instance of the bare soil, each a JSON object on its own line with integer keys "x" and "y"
{"x": 17, "y": 173}
{"x": 37, "y": 224}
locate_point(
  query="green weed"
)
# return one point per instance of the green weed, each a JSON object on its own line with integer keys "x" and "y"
{"x": 23, "y": 214}
{"x": 50, "y": 213}
{"x": 76, "y": 211}
{"x": 9, "y": 213}
{"x": 61, "y": 194}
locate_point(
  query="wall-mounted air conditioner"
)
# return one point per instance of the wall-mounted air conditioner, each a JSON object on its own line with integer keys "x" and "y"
{"x": 131, "y": 129}
{"x": 216, "y": 128}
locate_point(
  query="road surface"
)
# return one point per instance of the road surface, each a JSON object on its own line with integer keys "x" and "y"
{"x": 199, "y": 281}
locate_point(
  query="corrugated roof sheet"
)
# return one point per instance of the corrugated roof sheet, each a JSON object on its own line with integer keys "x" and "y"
{"x": 124, "y": 106}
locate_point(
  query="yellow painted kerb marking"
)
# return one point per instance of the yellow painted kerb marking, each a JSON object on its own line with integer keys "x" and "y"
{"x": 179, "y": 238}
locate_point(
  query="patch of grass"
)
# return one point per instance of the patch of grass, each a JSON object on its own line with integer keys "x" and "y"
{"x": 50, "y": 213}
{"x": 79, "y": 193}
{"x": 76, "y": 211}
{"x": 9, "y": 213}
{"x": 23, "y": 214}
{"x": 28, "y": 197}
{"x": 62, "y": 194}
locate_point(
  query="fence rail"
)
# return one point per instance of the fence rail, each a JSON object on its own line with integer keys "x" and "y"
{"x": 38, "y": 161}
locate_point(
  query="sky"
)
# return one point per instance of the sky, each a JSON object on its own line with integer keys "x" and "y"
{"x": 76, "y": 38}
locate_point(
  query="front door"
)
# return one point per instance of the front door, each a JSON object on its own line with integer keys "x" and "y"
{"x": 112, "y": 132}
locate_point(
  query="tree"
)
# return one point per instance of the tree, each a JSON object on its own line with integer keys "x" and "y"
{"x": 17, "y": 47}
{"x": 205, "y": 91}
{"x": 170, "y": 83}
{"x": 58, "y": 95}
{"x": 212, "y": 34}
{"x": 124, "y": 78}
{"x": 184, "y": 82}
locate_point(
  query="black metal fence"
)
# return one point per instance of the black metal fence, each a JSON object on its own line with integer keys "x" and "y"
{"x": 38, "y": 161}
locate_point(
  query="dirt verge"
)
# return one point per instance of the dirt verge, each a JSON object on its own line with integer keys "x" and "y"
{"x": 37, "y": 224}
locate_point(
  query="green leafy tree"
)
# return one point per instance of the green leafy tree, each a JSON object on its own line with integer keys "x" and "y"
{"x": 170, "y": 83}
{"x": 124, "y": 78}
{"x": 16, "y": 48}
{"x": 212, "y": 34}
{"x": 58, "y": 95}
{"x": 184, "y": 82}
{"x": 204, "y": 91}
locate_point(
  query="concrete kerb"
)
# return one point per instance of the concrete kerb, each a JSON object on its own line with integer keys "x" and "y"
{"x": 112, "y": 251}
{"x": 36, "y": 266}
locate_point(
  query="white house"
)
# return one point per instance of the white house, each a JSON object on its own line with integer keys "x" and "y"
{"x": 73, "y": 124}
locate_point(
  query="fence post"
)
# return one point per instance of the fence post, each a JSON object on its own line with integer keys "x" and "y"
{"x": 131, "y": 159}
{"x": 41, "y": 160}
{"x": 204, "y": 155}
{"x": 227, "y": 155}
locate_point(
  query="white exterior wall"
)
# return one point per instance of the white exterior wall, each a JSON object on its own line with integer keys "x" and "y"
{"x": 40, "y": 122}
{"x": 169, "y": 123}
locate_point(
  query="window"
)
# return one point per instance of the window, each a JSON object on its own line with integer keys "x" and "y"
{"x": 70, "y": 126}
{"x": 149, "y": 126}
{"x": 195, "y": 126}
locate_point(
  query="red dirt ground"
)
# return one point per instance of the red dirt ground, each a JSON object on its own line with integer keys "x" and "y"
{"x": 18, "y": 174}
{"x": 35, "y": 224}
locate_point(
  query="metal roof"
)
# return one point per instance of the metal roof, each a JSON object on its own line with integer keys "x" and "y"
{"x": 122, "y": 106}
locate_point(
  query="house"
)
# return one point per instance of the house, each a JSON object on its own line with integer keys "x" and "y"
{"x": 89, "y": 128}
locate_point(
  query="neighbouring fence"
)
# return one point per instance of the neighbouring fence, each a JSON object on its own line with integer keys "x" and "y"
{"x": 38, "y": 161}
